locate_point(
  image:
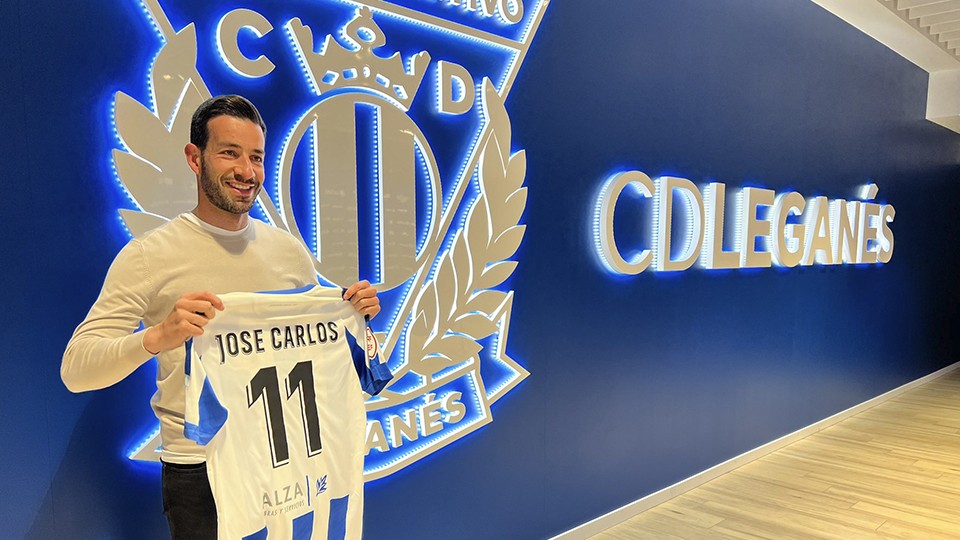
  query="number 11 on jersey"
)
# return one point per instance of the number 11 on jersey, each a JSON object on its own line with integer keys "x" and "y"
{"x": 265, "y": 386}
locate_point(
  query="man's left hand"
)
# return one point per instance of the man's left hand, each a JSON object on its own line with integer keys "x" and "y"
{"x": 364, "y": 298}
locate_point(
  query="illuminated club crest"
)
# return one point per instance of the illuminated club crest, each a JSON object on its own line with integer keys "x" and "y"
{"x": 359, "y": 183}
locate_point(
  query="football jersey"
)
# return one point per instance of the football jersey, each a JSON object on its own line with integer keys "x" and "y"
{"x": 274, "y": 391}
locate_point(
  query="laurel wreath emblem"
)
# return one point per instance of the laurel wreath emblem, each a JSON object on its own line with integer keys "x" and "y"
{"x": 455, "y": 310}
{"x": 152, "y": 168}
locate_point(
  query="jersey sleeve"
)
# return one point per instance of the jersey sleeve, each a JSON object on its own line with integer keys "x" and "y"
{"x": 204, "y": 414}
{"x": 373, "y": 374}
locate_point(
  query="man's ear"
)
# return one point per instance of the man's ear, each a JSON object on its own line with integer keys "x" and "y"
{"x": 192, "y": 152}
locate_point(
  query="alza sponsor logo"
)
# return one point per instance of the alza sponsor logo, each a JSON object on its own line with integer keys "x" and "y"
{"x": 418, "y": 191}
{"x": 290, "y": 497}
{"x": 283, "y": 495}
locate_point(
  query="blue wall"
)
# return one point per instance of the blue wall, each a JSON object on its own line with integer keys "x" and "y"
{"x": 636, "y": 383}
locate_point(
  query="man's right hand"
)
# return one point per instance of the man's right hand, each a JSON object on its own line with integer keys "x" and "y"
{"x": 187, "y": 318}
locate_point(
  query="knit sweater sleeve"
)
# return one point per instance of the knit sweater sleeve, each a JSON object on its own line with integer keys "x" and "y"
{"x": 106, "y": 347}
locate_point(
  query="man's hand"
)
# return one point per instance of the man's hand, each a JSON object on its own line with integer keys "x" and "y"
{"x": 364, "y": 298}
{"x": 187, "y": 318}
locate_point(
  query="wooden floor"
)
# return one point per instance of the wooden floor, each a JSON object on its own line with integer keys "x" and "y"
{"x": 892, "y": 471}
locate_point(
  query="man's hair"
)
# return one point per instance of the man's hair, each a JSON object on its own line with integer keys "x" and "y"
{"x": 236, "y": 106}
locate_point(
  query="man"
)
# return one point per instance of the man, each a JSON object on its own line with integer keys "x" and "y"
{"x": 169, "y": 280}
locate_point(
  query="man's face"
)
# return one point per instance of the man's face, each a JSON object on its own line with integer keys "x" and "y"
{"x": 231, "y": 165}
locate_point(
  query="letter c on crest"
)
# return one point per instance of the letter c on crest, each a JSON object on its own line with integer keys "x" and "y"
{"x": 229, "y": 27}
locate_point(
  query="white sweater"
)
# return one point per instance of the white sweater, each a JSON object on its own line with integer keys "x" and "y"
{"x": 143, "y": 283}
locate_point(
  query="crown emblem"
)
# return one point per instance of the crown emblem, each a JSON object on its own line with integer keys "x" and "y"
{"x": 356, "y": 65}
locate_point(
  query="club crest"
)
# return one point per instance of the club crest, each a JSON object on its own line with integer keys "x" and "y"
{"x": 394, "y": 165}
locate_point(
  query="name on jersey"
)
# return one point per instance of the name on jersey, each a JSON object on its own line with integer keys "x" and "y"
{"x": 277, "y": 338}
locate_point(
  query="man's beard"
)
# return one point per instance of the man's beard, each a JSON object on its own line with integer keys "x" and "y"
{"x": 216, "y": 193}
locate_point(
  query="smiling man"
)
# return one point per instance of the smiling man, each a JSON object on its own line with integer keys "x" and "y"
{"x": 169, "y": 280}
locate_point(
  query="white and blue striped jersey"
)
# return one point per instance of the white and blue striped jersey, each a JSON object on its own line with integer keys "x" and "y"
{"x": 274, "y": 390}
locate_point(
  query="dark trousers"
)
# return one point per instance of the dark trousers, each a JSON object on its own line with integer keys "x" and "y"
{"x": 188, "y": 502}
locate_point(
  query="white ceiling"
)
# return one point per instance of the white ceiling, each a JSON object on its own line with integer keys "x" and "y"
{"x": 938, "y": 20}
{"x": 925, "y": 32}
